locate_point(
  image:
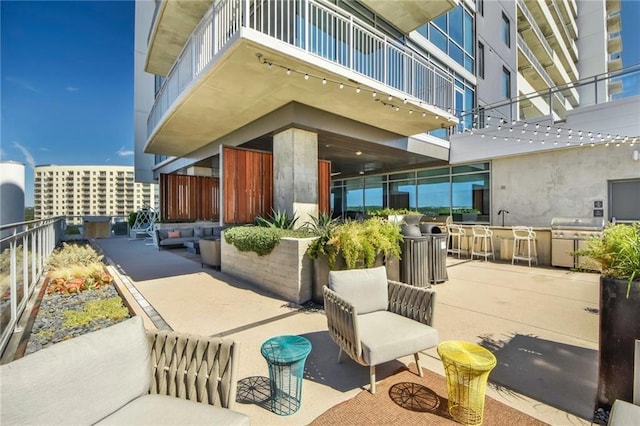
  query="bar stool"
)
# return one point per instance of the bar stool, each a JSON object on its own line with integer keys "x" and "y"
{"x": 483, "y": 238}
{"x": 454, "y": 242}
{"x": 524, "y": 244}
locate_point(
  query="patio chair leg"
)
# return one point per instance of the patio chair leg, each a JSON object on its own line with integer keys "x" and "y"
{"x": 339, "y": 355}
{"x": 417, "y": 358}
{"x": 372, "y": 373}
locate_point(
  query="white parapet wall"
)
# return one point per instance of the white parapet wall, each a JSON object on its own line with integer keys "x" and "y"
{"x": 287, "y": 271}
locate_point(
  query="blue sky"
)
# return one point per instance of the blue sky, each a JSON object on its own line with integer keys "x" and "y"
{"x": 66, "y": 88}
{"x": 67, "y": 83}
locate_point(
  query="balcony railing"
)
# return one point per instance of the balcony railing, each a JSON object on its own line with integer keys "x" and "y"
{"x": 317, "y": 28}
{"x": 24, "y": 248}
{"x": 534, "y": 26}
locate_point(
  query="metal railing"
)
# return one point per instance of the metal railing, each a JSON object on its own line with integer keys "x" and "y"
{"x": 315, "y": 27}
{"x": 24, "y": 250}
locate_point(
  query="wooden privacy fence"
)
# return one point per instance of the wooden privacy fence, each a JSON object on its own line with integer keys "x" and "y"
{"x": 248, "y": 190}
{"x": 189, "y": 198}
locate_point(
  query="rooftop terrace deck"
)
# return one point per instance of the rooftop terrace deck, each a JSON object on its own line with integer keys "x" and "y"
{"x": 494, "y": 304}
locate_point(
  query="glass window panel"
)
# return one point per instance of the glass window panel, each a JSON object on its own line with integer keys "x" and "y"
{"x": 469, "y": 103}
{"x": 467, "y": 168}
{"x": 434, "y": 195}
{"x": 480, "y": 60}
{"x": 506, "y": 83}
{"x": 424, "y": 30}
{"x": 402, "y": 194}
{"x": 455, "y": 25}
{"x": 398, "y": 176}
{"x": 354, "y": 193}
{"x": 439, "y": 133}
{"x": 468, "y": 63}
{"x": 438, "y": 38}
{"x": 506, "y": 30}
{"x": 444, "y": 171}
{"x": 470, "y": 192}
{"x": 374, "y": 194}
{"x": 456, "y": 53}
{"x": 441, "y": 22}
{"x": 468, "y": 33}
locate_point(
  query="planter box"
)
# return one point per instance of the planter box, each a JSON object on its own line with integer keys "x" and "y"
{"x": 286, "y": 271}
{"x": 619, "y": 328}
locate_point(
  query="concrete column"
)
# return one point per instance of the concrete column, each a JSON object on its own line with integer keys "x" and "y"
{"x": 295, "y": 173}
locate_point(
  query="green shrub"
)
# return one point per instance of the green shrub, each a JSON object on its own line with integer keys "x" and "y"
{"x": 359, "y": 243}
{"x": 132, "y": 219}
{"x": 259, "y": 239}
{"x": 277, "y": 219}
{"x": 617, "y": 252}
{"x": 73, "y": 254}
{"x": 111, "y": 308}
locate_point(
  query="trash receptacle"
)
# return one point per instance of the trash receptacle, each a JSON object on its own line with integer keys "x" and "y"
{"x": 414, "y": 264}
{"x": 437, "y": 252}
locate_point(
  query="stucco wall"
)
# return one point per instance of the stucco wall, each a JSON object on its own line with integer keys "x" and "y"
{"x": 287, "y": 271}
{"x": 538, "y": 186}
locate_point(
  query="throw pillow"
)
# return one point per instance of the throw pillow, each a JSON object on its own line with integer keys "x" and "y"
{"x": 174, "y": 234}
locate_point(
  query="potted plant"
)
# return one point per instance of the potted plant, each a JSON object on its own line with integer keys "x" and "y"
{"x": 352, "y": 245}
{"x": 618, "y": 254}
{"x": 398, "y": 216}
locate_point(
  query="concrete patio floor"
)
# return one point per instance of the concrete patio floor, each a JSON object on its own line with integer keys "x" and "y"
{"x": 481, "y": 301}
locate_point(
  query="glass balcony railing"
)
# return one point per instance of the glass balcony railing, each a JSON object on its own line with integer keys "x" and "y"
{"x": 315, "y": 27}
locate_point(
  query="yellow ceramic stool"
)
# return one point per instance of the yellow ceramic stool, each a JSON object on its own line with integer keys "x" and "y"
{"x": 467, "y": 367}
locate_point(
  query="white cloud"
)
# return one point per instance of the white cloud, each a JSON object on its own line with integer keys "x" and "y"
{"x": 45, "y": 149}
{"x": 124, "y": 152}
{"x": 21, "y": 83}
{"x": 3, "y": 154}
{"x": 27, "y": 155}
{"x": 72, "y": 89}
{"x": 107, "y": 160}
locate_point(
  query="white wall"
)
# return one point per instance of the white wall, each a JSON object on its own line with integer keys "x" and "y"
{"x": 592, "y": 45}
{"x": 143, "y": 84}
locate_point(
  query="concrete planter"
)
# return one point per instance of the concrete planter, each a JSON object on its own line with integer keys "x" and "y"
{"x": 286, "y": 271}
{"x": 619, "y": 328}
{"x": 321, "y": 272}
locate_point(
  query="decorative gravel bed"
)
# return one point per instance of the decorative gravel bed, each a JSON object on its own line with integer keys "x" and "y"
{"x": 48, "y": 327}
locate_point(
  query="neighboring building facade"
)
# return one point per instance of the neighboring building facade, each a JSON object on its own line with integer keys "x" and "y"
{"x": 395, "y": 94}
{"x": 76, "y": 191}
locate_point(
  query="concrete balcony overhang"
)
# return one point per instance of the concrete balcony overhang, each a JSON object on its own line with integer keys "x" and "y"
{"x": 614, "y": 45}
{"x": 407, "y": 15}
{"x": 614, "y": 65}
{"x": 613, "y": 24}
{"x": 174, "y": 22}
{"x": 615, "y": 87}
{"x": 239, "y": 87}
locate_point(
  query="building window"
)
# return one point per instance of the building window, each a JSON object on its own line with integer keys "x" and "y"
{"x": 480, "y": 7}
{"x": 506, "y": 30}
{"x": 480, "y": 60}
{"x": 506, "y": 83}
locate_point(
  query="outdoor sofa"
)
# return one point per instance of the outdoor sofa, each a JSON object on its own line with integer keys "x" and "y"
{"x": 124, "y": 375}
{"x": 180, "y": 234}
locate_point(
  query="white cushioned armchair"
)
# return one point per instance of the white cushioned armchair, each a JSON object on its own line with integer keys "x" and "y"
{"x": 375, "y": 320}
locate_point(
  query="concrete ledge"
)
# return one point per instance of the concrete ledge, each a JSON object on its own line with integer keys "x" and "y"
{"x": 287, "y": 271}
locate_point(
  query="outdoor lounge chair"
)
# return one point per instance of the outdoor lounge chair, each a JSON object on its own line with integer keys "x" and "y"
{"x": 375, "y": 320}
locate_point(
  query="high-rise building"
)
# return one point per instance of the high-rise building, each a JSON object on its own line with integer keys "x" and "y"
{"x": 76, "y": 191}
{"x": 397, "y": 96}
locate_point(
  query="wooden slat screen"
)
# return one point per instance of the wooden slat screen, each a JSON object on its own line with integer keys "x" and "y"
{"x": 324, "y": 186}
{"x": 189, "y": 198}
{"x": 248, "y": 184}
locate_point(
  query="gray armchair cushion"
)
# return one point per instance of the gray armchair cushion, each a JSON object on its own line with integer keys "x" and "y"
{"x": 198, "y": 231}
{"x": 386, "y": 336}
{"x": 366, "y": 289}
{"x": 163, "y": 233}
{"x": 186, "y": 233}
{"x": 168, "y": 410}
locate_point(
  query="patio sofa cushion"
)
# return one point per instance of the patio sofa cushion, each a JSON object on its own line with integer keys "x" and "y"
{"x": 123, "y": 374}
{"x": 203, "y": 231}
{"x": 381, "y": 341}
{"x": 366, "y": 289}
{"x": 78, "y": 381}
{"x": 168, "y": 410}
{"x": 624, "y": 413}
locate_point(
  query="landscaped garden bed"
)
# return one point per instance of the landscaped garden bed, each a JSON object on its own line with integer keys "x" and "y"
{"x": 78, "y": 297}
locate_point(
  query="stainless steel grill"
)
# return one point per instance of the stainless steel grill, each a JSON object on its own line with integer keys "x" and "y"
{"x": 570, "y": 234}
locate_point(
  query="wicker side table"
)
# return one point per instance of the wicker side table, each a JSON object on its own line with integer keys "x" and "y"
{"x": 467, "y": 367}
{"x": 285, "y": 357}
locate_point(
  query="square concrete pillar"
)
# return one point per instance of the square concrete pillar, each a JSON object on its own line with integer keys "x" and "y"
{"x": 295, "y": 173}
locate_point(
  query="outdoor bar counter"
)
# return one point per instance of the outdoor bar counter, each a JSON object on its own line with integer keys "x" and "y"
{"x": 503, "y": 242}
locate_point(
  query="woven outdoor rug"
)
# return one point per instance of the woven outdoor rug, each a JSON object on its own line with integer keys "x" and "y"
{"x": 405, "y": 398}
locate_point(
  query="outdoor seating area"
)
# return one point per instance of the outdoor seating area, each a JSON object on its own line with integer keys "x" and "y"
{"x": 466, "y": 311}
